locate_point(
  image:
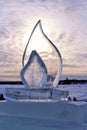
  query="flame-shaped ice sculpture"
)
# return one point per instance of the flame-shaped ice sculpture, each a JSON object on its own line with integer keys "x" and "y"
{"x": 47, "y": 60}
{"x": 41, "y": 72}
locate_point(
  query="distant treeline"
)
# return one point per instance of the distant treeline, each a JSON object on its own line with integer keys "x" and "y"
{"x": 66, "y": 81}
{"x": 73, "y": 81}
{"x": 11, "y": 82}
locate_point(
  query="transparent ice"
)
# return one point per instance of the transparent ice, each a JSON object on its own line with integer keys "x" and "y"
{"x": 49, "y": 55}
{"x": 41, "y": 72}
{"x": 34, "y": 73}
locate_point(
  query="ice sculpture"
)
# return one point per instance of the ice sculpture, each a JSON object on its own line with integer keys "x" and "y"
{"x": 48, "y": 54}
{"x": 34, "y": 74}
{"x": 41, "y": 72}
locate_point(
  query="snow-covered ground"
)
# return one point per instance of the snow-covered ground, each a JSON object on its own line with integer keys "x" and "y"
{"x": 79, "y": 91}
{"x": 61, "y": 115}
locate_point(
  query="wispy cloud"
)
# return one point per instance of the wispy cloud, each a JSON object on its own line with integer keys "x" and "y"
{"x": 66, "y": 20}
{"x": 71, "y": 66}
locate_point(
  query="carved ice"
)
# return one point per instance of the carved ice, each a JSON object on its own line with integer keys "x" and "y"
{"x": 42, "y": 71}
{"x": 34, "y": 73}
{"x": 48, "y": 54}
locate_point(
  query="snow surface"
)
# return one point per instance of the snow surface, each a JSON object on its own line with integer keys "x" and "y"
{"x": 62, "y": 115}
{"x": 79, "y": 91}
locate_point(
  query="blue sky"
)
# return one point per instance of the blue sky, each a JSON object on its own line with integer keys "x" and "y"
{"x": 63, "y": 21}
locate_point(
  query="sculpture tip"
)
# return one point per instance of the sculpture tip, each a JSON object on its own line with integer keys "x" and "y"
{"x": 39, "y": 20}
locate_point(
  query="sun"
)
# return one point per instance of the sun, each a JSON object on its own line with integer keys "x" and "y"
{"x": 37, "y": 42}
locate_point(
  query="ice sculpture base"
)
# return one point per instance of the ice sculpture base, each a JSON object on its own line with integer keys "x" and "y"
{"x": 32, "y": 94}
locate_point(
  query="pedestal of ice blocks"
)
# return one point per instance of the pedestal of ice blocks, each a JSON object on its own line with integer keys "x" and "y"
{"x": 18, "y": 94}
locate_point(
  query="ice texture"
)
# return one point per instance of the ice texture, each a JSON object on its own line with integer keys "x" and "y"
{"x": 38, "y": 94}
{"x": 34, "y": 73}
{"x": 47, "y": 51}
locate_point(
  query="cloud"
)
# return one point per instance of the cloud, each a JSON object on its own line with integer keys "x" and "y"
{"x": 66, "y": 21}
{"x": 71, "y": 66}
{"x": 61, "y": 36}
{"x": 9, "y": 77}
{"x": 84, "y": 55}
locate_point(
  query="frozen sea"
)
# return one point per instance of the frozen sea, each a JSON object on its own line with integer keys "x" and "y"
{"x": 61, "y": 115}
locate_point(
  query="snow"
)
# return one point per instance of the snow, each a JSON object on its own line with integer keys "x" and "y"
{"x": 79, "y": 91}
{"x": 61, "y": 115}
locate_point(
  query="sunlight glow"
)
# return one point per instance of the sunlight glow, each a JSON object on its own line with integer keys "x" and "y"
{"x": 37, "y": 41}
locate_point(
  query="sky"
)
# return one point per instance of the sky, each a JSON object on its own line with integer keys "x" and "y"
{"x": 63, "y": 21}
